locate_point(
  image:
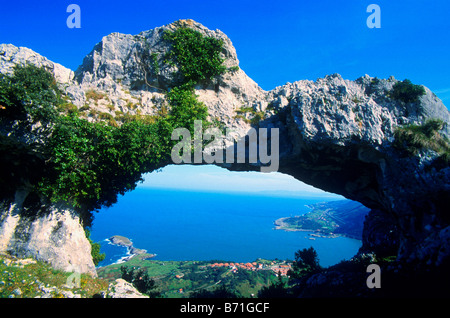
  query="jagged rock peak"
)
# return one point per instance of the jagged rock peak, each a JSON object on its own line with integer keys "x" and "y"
{"x": 11, "y": 55}
{"x": 120, "y": 57}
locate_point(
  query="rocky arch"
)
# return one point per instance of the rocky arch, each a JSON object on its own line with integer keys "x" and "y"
{"x": 335, "y": 134}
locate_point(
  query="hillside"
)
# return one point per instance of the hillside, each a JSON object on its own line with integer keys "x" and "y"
{"x": 342, "y": 217}
{"x": 28, "y": 278}
{"x": 184, "y": 279}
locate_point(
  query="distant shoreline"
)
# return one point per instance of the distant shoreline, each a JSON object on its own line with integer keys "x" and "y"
{"x": 328, "y": 219}
{"x": 281, "y": 225}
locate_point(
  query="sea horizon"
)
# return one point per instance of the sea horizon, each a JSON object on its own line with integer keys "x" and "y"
{"x": 186, "y": 225}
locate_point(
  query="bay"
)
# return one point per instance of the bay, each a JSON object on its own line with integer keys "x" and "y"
{"x": 184, "y": 225}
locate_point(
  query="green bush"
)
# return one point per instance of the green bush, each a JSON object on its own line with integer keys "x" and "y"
{"x": 414, "y": 138}
{"x": 140, "y": 279}
{"x": 97, "y": 257}
{"x": 91, "y": 163}
{"x": 27, "y": 97}
{"x": 185, "y": 108}
{"x": 198, "y": 57}
{"x": 30, "y": 94}
{"x": 407, "y": 91}
{"x": 306, "y": 262}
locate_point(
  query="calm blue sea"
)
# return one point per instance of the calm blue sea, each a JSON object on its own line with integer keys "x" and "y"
{"x": 192, "y": 225}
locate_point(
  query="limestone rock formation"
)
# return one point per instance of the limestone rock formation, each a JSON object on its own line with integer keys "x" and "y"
{"x": 122, "y": 289}
{"x": 11, "y": 55}
{"x": 51, "y": 234}
{"x": 335, "y": 134}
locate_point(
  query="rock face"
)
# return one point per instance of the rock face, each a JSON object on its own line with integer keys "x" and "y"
{"x": 52, "y": 234}
{"x": 124, "y": 241}
{"x": 123, "y": 289}
{"x": 339, "y": 138}
{"x": 335, "y": 134}
{"x": 11, "y": 55}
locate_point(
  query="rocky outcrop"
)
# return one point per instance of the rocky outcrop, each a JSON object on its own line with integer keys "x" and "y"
{"x": 335, "y": 134}
{"x": 11, "y": 55}
{"x": 380, "y": 234}
{"x": 120, "y": 288}
{"x": 126, "y": 242}
{"x": 49, "y": 233}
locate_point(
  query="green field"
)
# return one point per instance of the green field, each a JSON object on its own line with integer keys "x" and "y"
{"x": 179, "y": 279}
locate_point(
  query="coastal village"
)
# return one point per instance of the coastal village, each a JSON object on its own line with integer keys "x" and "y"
{"x": 279, "y": 268}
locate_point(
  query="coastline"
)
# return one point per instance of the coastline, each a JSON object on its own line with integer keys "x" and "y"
{"x": 342, "y": 218}
{"x": 132, "y": 251}
{"x": 281, "y": 225}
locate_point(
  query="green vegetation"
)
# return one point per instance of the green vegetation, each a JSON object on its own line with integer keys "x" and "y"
{"x": 256, "y": 116}
{"x": 140, "y": 279}
{"x": 314, "y": 221}
{"x": 185, "y": 108}
{"x": 28, "y": 108}
{"x": 233, "y": 69}
{"x": 197, "y": 57}
{"x": 27, "y": 278}
{"x": 414, "y": 138}
{"x": 306, "y": 262}
{"x": 94, "y": 95}
{"x": 30, "y": 95}
{"x": 275, "y": 290}
{"x": 154, "y": 63}
{"x": 407, "y": 91}
{"x": 91, "y": 163}
{"x": 244, "y": 110}
{"x": 97, "y": 257}
{"x": 179, "y": 279}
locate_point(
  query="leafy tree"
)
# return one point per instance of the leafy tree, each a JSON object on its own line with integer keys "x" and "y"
{"x": 140, "y": 279}
{"x": 306, "y": 262}
{"x": 275, "y": 290}
{"x": 28, "y": 101}
{"x": 30, "y": 94}
{"x": 198, "y": 57}
{"x": 91, "y": 163}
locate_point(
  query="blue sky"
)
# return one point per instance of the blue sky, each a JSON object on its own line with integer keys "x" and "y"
{"x": 276, "y": 41}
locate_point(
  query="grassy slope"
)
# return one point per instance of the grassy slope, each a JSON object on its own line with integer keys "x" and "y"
{"x": 21, "y": 280}
{"x": 190, "y": 276}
